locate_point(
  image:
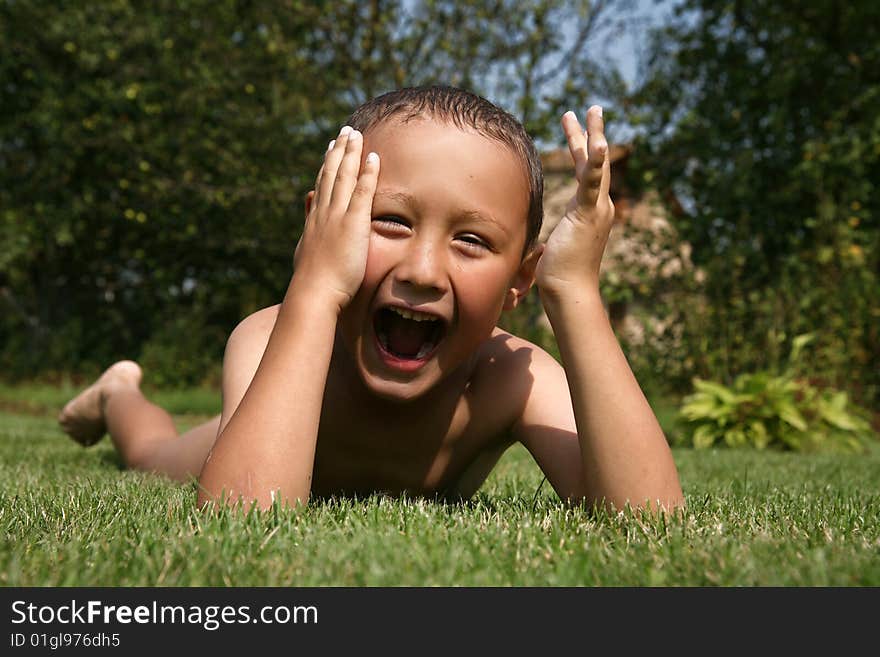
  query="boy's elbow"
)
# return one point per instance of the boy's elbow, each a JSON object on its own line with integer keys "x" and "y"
{"x": 204, "y": 501}
{"x": 671, "y": 502}
{"x": 208, "y": 498}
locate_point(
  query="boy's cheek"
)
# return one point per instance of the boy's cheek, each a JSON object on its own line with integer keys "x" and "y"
{"x": 483, "y": 302}
{"x": 377, "y": 260}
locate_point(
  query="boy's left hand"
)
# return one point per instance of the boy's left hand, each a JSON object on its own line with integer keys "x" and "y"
{"x": 573, "y": 252}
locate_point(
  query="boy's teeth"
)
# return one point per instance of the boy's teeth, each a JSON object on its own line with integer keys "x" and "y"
{"x": 413, "y": 315}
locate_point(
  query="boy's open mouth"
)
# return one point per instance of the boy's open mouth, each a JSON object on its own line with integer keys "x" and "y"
{"x": 407, "y": 334}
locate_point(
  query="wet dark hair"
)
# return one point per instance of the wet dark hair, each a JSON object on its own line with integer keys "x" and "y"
{"x": 462, "y": 109}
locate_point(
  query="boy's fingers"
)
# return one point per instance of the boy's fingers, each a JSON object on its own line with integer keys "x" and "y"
{"x": 597, "y": 149}
{"x": 605, "y": 185}
{"x": 347, "y": 173}
{"x": 331, "y": 164}
{"x": 361, "y": 202}
{"x": 577, "y": 142}
{"x": 321, "y": 170}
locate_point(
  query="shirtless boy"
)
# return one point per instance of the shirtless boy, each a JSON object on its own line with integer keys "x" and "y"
{"x": 383, "y": 368}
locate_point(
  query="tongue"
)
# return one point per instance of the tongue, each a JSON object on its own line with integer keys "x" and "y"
{"x": 405, "y": 336}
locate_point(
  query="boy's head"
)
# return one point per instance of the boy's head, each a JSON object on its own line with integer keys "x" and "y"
{"x": 464, "y": 110}
{"x": 455, "y": 213}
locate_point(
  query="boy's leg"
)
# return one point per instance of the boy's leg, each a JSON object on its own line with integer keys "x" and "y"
{"x": 142, "y": 432}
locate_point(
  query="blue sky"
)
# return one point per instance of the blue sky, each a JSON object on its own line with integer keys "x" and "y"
{"x": 625, "y": 50}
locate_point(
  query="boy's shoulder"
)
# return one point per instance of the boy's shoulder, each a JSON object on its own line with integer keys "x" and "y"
{"x": 511, "y": 377}
{"x": 505, "y": 353}
{"x": 254, "y": 330}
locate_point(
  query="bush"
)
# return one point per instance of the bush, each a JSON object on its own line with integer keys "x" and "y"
{"x": 184, "y": 353}
{"x": 765, "y": 410}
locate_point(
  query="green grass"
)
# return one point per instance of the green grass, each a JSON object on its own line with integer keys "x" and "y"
{"x": 72, "y": 517}
{"x": 48, "y": 399}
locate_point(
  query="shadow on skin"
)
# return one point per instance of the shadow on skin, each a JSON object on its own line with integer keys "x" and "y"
{"x": 429, "y": 465}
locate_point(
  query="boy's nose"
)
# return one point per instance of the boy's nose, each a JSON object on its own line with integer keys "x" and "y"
{"x": 423, "y": 267}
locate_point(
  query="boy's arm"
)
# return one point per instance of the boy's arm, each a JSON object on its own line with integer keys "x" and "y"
{"x": 267, "y": 448}
{"x": 624, "y": 456}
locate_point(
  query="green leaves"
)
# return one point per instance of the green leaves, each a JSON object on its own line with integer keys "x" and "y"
{"x": 704, "y": 436}
{"x": 154, "y": 156}
{"x": 778, "y": 411}
{"x": 759, "y": 123}
{"x": 761, "y": 410}
{"x": 833, "y": 410}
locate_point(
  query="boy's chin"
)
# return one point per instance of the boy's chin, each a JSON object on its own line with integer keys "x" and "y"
{"x": 396, "y": 390}
{"x": 389, "y": 381}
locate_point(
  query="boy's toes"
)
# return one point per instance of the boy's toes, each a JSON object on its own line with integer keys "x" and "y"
{"x": 82, "y": 418}
{"x": 86, "y": 434}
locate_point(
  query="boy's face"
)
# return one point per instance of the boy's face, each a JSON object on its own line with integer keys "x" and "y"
{"x": 449, "y": 224}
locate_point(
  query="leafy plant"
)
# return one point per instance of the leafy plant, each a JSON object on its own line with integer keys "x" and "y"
{"x": 766, "y": 410}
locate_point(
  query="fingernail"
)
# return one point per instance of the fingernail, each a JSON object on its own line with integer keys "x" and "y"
{"x": 345, "y": 130}
{"x": 331, "y": 144}
{"x": 598, "y": 109}
{"x": 570, "y": 113}
{"x": 372, "y": 158}
{"x": 354, "y": 135}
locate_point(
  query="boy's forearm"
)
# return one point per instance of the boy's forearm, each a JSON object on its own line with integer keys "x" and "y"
{"x": 268, "y": 447}
{"x": 625, "y": 455}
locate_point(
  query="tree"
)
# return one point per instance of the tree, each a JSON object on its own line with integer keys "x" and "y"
{"x": 149, "y": 168}
{"x": 154, "y": 155}
{"x": 763, "y": 119}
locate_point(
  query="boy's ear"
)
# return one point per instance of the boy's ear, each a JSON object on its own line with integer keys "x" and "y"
{"x": 524, "y": 278}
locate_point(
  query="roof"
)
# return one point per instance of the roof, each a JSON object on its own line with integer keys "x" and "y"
{"x": 559, "y": 160}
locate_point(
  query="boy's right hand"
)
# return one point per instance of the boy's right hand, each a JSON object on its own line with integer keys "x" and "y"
{"x": 331, "y": 256}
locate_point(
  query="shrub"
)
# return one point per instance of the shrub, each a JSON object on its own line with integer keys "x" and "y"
{"x": 774, "y": 410}
{"x": 183, "y": 353}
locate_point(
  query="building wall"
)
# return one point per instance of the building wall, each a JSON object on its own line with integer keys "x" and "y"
{"x": 642, "y": 240}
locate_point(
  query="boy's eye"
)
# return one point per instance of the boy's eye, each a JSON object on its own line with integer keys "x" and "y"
{"x": 474, "y": 242}
{"x": 391, "y": 226}
{"x": 390, "y": 220}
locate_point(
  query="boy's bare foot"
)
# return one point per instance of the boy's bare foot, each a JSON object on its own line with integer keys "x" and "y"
{"x": 82, "y": 418}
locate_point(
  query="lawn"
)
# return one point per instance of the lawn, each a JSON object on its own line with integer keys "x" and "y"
{"x": 71, "y": 517}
